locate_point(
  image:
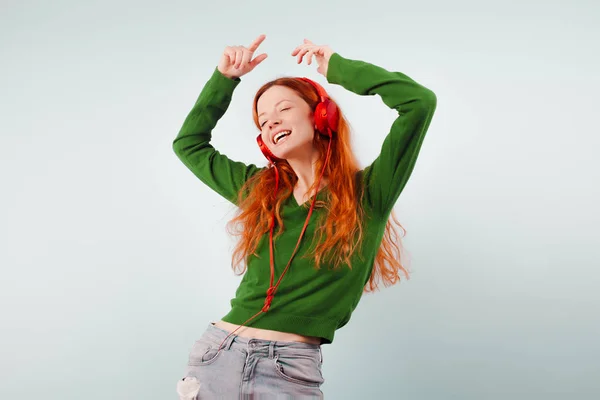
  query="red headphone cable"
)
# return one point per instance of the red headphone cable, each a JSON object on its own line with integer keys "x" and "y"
{"x": 272, "y": 289}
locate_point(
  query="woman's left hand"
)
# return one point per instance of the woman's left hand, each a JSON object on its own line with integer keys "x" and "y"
{"x": 322, "y": 54}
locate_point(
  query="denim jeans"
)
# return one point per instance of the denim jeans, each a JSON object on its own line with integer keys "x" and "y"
{"x": 245, "y": 368}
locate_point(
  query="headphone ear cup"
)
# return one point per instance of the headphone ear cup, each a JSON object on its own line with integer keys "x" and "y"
{"x": 332, "y": 115}
{"x": 326, "y": 116}
{"x": 321, "y": 117}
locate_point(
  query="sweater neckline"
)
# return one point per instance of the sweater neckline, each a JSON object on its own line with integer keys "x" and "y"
{"x": 320, "y": 194}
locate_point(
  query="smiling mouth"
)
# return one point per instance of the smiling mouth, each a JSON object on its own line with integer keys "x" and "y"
{"x": 281, "y": 136}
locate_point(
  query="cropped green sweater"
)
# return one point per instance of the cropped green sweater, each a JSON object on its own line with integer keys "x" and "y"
{"x": 310, "y": 301}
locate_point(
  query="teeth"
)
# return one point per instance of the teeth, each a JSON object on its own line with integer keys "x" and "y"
{"x": 280, "y": 135}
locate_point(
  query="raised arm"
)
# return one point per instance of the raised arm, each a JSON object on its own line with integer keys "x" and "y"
{"x": 192, "y": 144}
{"x": 386, "y": 177}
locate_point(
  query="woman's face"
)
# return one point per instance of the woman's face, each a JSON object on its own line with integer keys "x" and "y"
{"x": 281, "y": 109}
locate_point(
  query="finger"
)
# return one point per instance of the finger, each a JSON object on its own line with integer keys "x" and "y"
{"x": 299, "y": 54}
{"x": 316, "y": 52}
{"x": 302, "y": 53}
{"x": 247, "y": 55}
{"x": 298, "y": 48}
{"x": 257, "y": 43}
{"x": 309, "y": 56}
{"x": 307, "y": 41}
{"x": 230, "y": 56}
{"x": 238, "y": 58}
{"x": 233, "y": 56}
{"x": 258, "y": 59}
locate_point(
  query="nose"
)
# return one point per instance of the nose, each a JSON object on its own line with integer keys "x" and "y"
{"x": 273, "y": 123}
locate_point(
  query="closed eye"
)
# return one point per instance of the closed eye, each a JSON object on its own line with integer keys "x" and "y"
{"x": 283, "y": 109}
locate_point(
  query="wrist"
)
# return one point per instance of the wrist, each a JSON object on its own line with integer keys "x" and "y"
{"x": 232, "y": 77}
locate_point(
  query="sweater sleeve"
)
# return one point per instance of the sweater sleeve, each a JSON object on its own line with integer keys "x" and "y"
{"x": 192, "y": 144}
{"x": 386, "y": 177}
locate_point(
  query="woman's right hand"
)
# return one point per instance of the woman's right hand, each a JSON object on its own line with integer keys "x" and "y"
{"x": 237, "y": 60}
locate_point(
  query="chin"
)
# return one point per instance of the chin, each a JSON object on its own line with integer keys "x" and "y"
{"x": 292, "y": 148}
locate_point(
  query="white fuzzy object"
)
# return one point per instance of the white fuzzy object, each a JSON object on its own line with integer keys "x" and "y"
{"x": 188, "y": 388}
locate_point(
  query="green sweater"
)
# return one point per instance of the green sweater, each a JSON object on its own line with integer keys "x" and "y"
{"x": 309, "y": 301}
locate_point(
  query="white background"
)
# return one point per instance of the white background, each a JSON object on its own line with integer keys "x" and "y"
{"x": 114, "y": 257}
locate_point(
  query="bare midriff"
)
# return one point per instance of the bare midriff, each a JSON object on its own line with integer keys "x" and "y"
{"x": 266, "y": 334}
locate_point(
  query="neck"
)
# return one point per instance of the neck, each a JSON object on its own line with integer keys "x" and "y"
{"x": 305, "y": 169}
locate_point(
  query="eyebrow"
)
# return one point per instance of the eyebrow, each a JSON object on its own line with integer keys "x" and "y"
{"x": 281, "y": 101}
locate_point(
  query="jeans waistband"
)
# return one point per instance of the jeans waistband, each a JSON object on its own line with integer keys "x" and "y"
{"x": 258, "y": 345}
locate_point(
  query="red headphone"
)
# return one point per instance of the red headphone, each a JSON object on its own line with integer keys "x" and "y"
{"x": 326, "y": 119}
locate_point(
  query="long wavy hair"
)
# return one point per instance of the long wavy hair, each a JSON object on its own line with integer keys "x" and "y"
{"x": 342, "y": 224}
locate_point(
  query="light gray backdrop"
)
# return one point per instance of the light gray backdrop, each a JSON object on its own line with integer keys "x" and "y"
{"x": 115, "y": 257}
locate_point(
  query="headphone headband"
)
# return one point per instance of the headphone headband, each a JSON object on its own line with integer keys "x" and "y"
{"x": 322, "y": 92}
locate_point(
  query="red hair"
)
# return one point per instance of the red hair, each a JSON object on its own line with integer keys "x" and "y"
{"x": 345, "y": 213}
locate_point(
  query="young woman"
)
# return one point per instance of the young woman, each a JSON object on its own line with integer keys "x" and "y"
{"x": 312, "y": 205}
